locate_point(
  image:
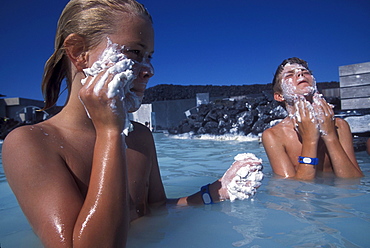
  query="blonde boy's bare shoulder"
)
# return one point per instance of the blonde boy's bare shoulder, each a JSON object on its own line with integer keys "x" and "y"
{"x": 28, "y": 138}
{"x": 31, "y": 133}
{"x": 27, "y": 133}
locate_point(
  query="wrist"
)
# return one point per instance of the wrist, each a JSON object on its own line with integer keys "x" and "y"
{"x": 111, "y": 137}
{"x": 108, "y": 132}
{"x": 206, "y": 195}
{"x": 310, "y": 140}
{"x": 308, "y": 160}
{"x": 213, "y": 191}
{"x": 330, "y": 137}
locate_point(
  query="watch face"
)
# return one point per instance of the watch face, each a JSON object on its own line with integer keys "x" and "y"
{"x": 206, "y": 198}
{"x": 307, "y": 160}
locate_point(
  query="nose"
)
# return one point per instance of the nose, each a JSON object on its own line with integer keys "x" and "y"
{"x": 299, "y": 73}
{"x": 146, "y": 71}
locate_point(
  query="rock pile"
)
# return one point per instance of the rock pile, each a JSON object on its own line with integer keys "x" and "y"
{"x": 165, "y": 92}
{"x": 243, "y": 116}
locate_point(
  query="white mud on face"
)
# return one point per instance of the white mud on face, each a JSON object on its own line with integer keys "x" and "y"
{"x": 297, "y": 99}
{"x": 115, "y": 63}
{"x": 290, "y": 91}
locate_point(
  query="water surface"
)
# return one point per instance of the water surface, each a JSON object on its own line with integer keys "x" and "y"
{"x": 329, "y": 212}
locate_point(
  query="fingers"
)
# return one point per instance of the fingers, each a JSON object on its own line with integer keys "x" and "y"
{"x": 97, "y": 86}
{"x": 95, "y": 98}
{"x": 325, "y": 115}
{"x": 304, "y": 111}
{"x": 328, "y": 110}
{"x": 323, "y": 110}
{"x": 305, "y": 121}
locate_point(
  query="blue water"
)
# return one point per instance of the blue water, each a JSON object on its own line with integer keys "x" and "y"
{"x": 329, "y": 212}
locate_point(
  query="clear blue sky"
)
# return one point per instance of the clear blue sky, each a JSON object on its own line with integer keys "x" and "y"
{"x": 201, "y": 42}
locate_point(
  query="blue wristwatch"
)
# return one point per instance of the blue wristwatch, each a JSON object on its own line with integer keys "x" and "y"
{"x": 206, "y": 196}
{"x": 307, "y": 160}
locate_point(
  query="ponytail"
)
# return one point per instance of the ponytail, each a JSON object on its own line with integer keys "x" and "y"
{"x": 56, "y": 69}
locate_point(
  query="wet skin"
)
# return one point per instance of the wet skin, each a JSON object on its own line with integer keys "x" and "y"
{"x": 315, "y": 134}
{"x": 72, "y": 175}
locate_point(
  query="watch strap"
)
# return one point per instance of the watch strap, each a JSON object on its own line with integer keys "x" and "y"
{"x": 206, "y": 196}
{"x": 308, "y": 160}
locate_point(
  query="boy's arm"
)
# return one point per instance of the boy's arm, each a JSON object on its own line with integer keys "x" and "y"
{"x": 337, "y": 136}
{"x": 340, "y": 148}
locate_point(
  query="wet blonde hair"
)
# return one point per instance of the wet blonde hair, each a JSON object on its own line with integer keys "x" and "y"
{"x": 92, "y": 20}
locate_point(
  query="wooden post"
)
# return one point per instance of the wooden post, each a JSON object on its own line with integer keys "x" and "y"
{"x": 355, "y": 86}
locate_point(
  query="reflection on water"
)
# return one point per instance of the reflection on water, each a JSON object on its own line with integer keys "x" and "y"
{"x": 320, "y": 206}
{"x": 251, "y": 215}
{"x": 329, "y": 212}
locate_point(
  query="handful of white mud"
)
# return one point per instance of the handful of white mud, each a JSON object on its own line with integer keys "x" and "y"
{"x": 243, "y": 177}
{"x": 315, "y": 113}
{"x": 114, "y": 62}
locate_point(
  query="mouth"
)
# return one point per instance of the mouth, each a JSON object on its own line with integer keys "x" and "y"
{"x": 302, "y": 82}
{"x": 139, "y": 89}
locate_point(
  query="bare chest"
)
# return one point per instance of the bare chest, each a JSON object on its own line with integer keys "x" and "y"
{"x": 293, "y": 147}
{"x": 79, "y": 158}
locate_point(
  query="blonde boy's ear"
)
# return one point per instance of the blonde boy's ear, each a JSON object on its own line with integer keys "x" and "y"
{"x": 278, "y": 97}
{"x": 74, "y": 46}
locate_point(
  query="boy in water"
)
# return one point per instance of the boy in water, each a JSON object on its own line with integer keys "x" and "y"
{"x": 310, "y": 140}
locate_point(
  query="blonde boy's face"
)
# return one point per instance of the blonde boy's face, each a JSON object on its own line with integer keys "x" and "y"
{"x": 135, "y": 33}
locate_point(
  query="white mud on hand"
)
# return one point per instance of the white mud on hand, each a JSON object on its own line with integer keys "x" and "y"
{"x": 243, "y": 177}
{"x": 315, "y": 113}
{"x": 114, "y": 62}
